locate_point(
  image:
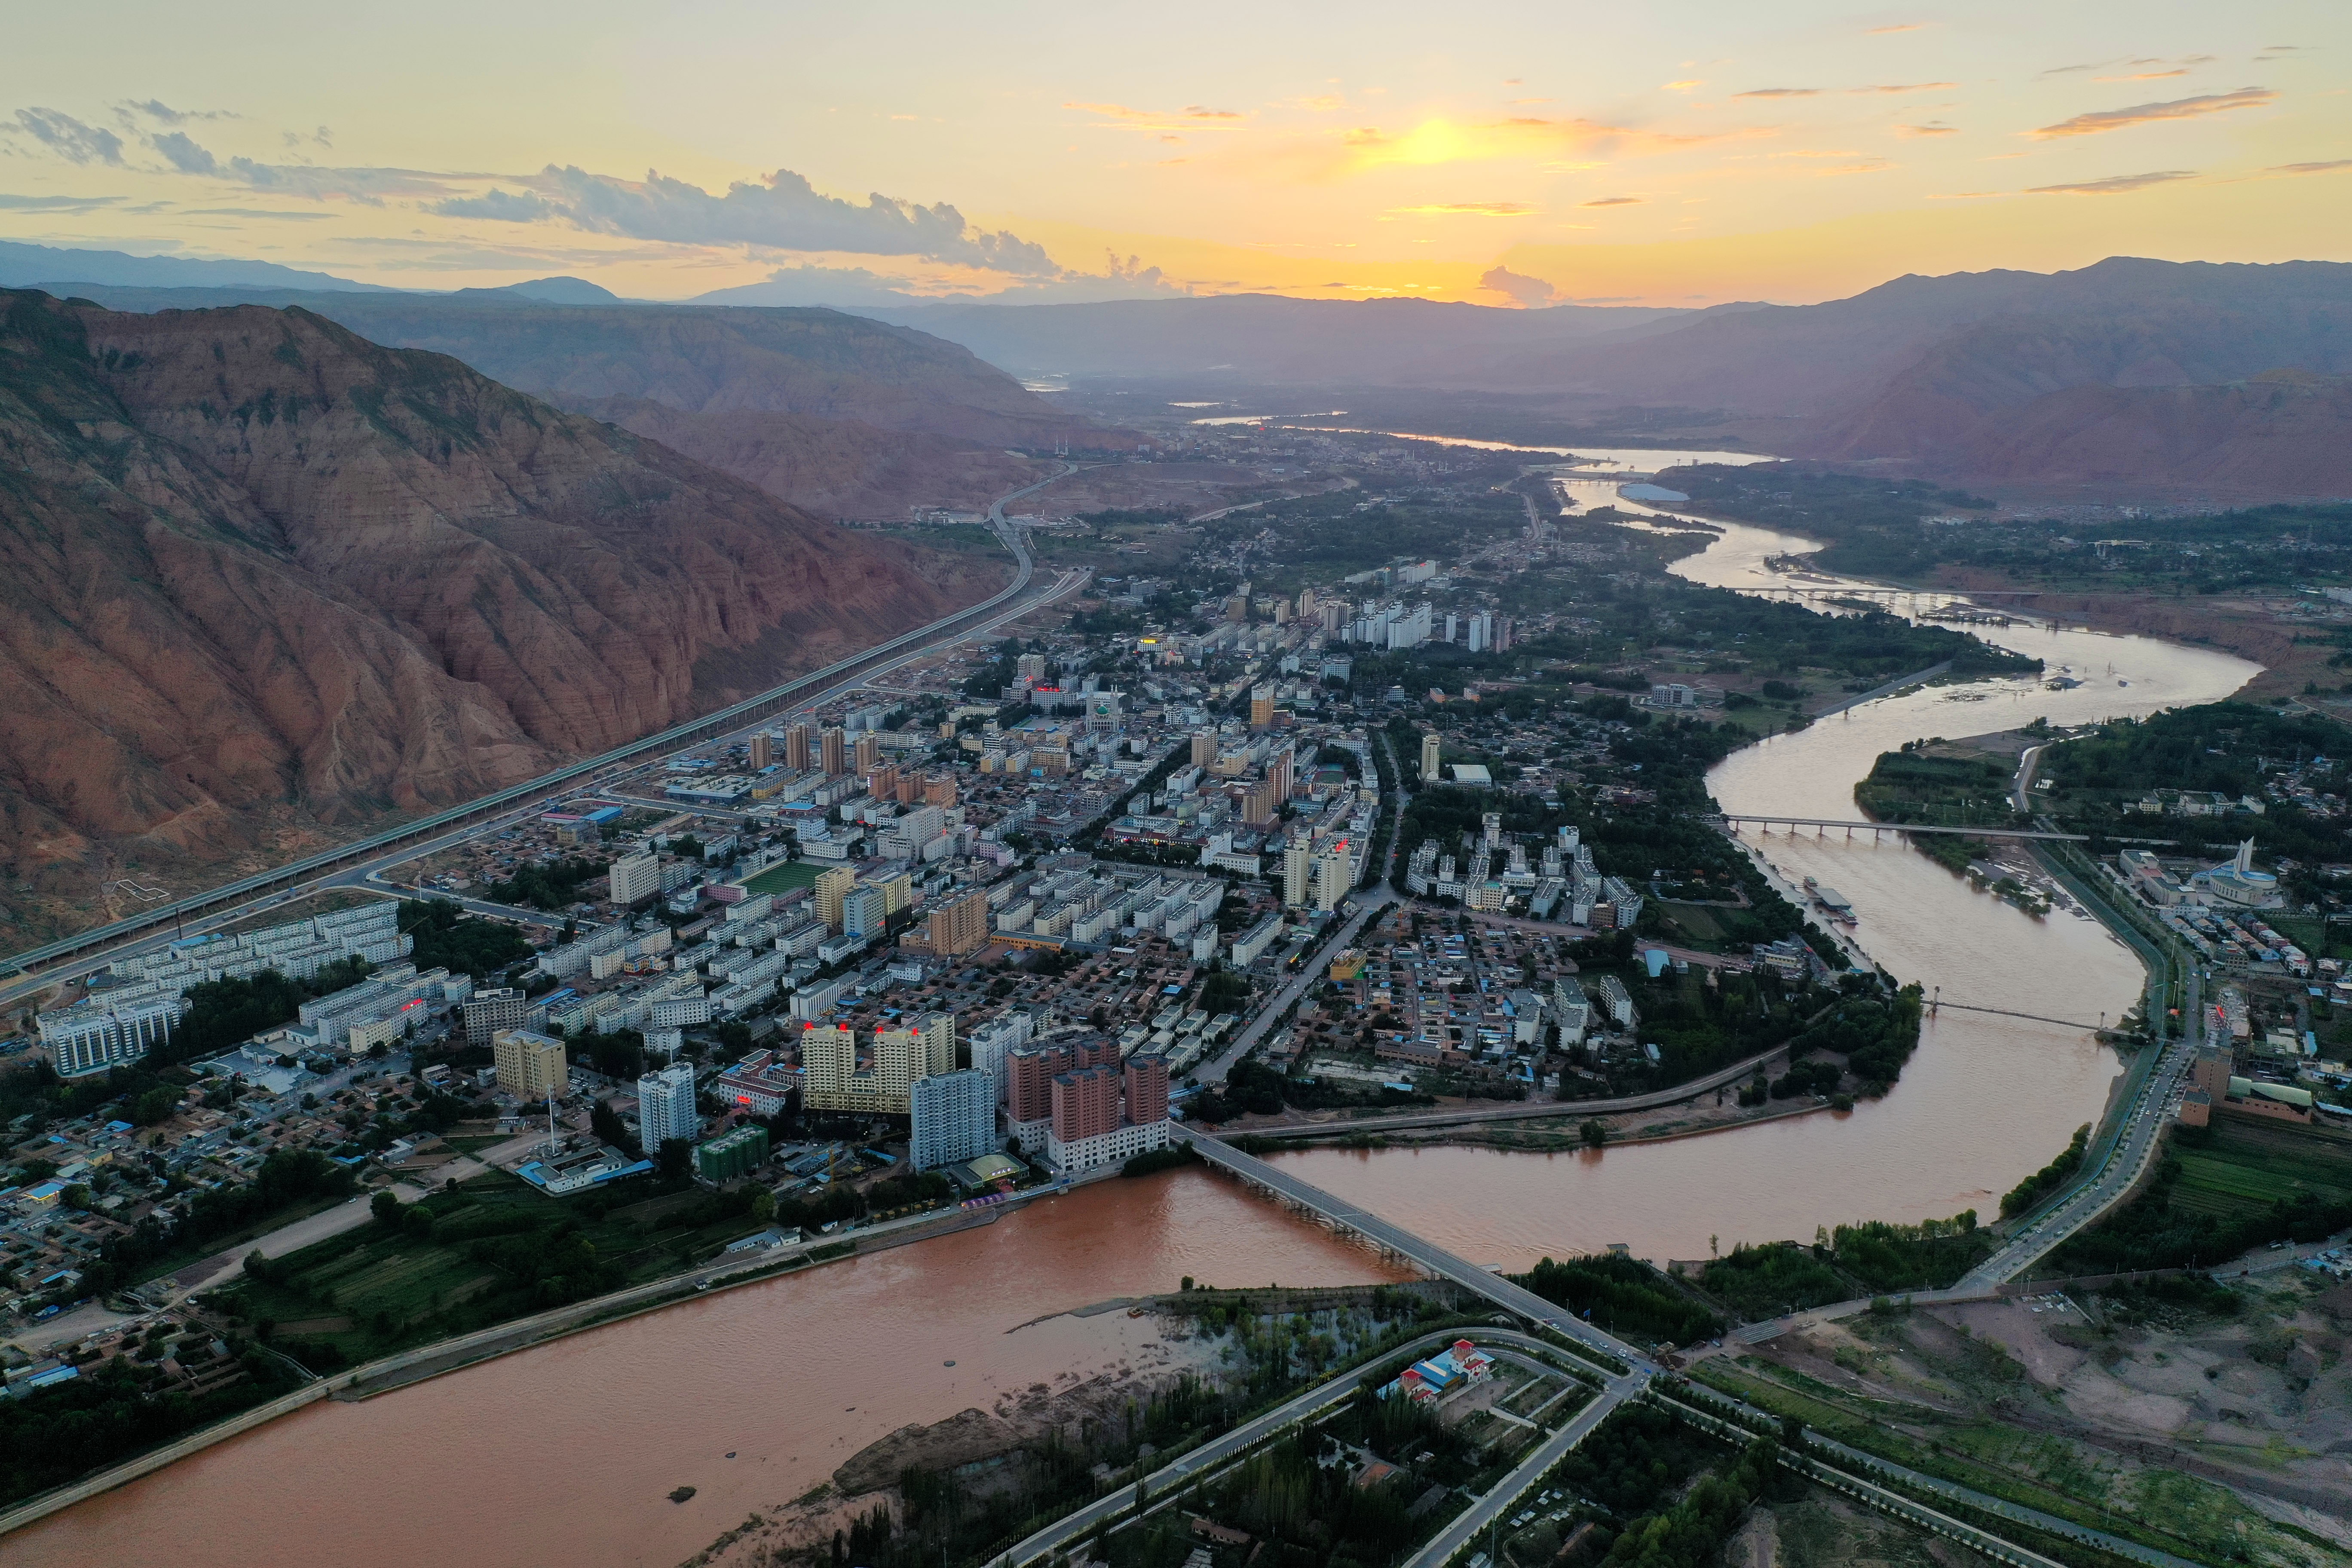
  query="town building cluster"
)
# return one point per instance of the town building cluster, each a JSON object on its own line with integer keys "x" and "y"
{"x": 1494, "y": 874}
{"x": 142, "y": 998}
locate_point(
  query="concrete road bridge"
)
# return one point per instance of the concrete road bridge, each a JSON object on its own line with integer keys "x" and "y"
{"x": 1731, "y": 822}
{"x": 1398, "y": 1242}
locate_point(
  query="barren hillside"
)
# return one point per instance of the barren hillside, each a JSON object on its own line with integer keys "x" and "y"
{"x": 265, "y": 581}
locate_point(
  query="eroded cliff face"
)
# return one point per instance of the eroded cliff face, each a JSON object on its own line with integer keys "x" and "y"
{"x": 263, "y": 581}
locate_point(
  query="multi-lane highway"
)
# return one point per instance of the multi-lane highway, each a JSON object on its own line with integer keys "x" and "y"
{"x": 2158, "y": 1098}
{"x": 1505, "y": 1495}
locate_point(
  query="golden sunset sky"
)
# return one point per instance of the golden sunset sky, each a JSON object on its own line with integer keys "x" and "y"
{"x": 1674, "y": 153}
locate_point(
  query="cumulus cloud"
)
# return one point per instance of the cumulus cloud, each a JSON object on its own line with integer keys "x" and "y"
{"x": 164, "y": 115}
{"x": 783, "y": 212}
{"x": 499, "y": 207}
{"x": 68, "y": 138}
{"x": 2114, "y": 185}
{"x": 2104, "y": 120}
{"x": 1529, "y": 293}
{"x": 182, "y": 152}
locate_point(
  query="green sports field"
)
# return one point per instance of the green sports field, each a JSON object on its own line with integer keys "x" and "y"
{"x": 784, "y": 879}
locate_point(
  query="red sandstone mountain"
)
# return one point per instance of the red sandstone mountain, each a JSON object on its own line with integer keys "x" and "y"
{"x": 263, "y": 581}
{"x": 833, "y": 412}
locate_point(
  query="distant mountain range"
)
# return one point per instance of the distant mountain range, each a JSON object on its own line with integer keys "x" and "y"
{"x": 840, "y": 414}
{"x": 1971, "y": 376}
{"x": 33, "y": 265}
{"x": 262, "y": 580}
{"x": 1266, "y": 339}
{"x": 1987, "y": 376}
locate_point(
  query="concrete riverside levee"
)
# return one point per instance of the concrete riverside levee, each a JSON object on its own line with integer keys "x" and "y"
{"x": 1196, "y": 1463}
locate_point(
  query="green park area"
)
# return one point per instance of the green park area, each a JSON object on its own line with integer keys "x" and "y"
{"x": 2220, "y": 1191}
{"x": 784, "y": 879}
{"x": 465, "y": 1259}
{"x": 2240, "y": 1164}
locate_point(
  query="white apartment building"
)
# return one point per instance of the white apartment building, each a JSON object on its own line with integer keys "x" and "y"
{"x": 665, "y": 1106}
{"x": 93, "y": 1036}
{"x": 636, "y": 876}
{"x": 1116, "y": 1147}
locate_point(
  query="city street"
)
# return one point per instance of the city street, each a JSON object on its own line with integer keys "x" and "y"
{"x": 1371, "y": 902}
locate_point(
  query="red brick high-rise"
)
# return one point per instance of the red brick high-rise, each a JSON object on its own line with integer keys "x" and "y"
{"x": 1147, "y": 1089}
{"x": 1086, "y": 1104}
{"x": 1029, "y": 1083}
{"x": 1030, "y": 1072}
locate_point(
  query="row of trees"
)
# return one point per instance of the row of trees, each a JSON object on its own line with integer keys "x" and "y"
{"x": 49, "y": 1436}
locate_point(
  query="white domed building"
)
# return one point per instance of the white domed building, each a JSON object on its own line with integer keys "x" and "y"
{"x": 2238, "y": 884}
